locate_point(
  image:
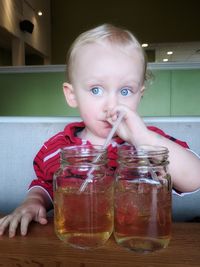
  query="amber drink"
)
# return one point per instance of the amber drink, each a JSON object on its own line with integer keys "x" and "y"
{"x": 83, "y": 219}
{"x": 142, "y": 220}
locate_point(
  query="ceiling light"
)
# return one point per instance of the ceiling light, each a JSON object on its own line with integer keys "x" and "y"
{"x": 39, "y": 13}
{"x": 145, "y": 45}
{"x": 169, "y": 52}
{"x": 165, "y": 59}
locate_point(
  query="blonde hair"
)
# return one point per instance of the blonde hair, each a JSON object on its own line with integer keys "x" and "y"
{"x": 106, "y": 32}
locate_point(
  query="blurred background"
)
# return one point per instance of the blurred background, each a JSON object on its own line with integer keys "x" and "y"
{"x": 35, "y": 36}
{"x": 169, "y": 30}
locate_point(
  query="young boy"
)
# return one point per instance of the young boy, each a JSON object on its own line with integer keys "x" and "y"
{"x": 106, "y": 71}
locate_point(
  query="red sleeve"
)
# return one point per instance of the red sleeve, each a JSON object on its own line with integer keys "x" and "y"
{"x": 44, "y": 172}
{"x": 47, "y": 162}
{"x": 159, "y": 131}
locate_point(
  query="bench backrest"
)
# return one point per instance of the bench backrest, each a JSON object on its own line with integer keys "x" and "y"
{"x": 22, "y": 137}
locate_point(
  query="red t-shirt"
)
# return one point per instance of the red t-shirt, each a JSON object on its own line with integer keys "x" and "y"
{"x": 47, "y": 160}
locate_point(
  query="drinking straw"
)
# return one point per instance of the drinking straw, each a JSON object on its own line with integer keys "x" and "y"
{"x": 153, "y": 174}
{"x": 107, "y": 141}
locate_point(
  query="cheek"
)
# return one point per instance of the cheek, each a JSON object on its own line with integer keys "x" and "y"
{"x": 87, "y": 111}
{"x": 132, "y": 103}
{"x": 89, "y": 105}
{"x": 88, "y": 118}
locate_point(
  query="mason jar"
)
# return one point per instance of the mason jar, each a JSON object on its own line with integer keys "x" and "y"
{"x": 83, "y": 197}
{"x": 142, "y": 202}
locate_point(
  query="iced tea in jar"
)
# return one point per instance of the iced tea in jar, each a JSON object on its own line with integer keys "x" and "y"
{"x": 142, "y": 212}
{"x": 83, "y": 218}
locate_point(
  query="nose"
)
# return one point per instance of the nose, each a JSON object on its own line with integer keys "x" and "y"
{"x": 111, "y": 102}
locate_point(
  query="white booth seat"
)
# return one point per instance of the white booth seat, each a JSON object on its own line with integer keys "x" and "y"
{"x": 22, "y": 137}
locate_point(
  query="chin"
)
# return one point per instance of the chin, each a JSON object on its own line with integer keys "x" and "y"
{"x": 104, "y": 133}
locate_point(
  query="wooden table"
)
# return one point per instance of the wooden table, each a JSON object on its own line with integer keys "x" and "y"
{"x": 41, "y": 247}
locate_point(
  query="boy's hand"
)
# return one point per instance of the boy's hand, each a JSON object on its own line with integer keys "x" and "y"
{"x": 132, "y": 129}
{"x": 31, "y": 209}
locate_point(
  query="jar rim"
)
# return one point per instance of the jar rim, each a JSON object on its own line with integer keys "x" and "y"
{"x": 83, "y": 150}
{"x": 143, "y": 150}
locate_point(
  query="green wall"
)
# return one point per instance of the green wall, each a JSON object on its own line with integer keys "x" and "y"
{"x": 156, "y": 99}
{"x": 185, "y": 95}
{"x": 168, "y": 93}
{"x": 33, "y": 94}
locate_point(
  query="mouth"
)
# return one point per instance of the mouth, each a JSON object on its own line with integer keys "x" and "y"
{"x": 107, "y": 125}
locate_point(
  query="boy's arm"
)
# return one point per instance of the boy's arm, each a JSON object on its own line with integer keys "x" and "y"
{"x": 33, "y": 208}
{"x": 41, "y": 195}
{"x": 184, "y": 166}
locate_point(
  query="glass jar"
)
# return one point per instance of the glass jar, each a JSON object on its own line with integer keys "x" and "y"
{"x": 142, "y": 212}
{"x": 83, "y": 215}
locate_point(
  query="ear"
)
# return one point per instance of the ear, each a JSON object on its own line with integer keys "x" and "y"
{"x": 70, "y": 97}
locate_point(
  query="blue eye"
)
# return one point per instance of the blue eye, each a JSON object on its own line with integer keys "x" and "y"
{"x": 97, "y": 90}
{"x": 125, "y": 91}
